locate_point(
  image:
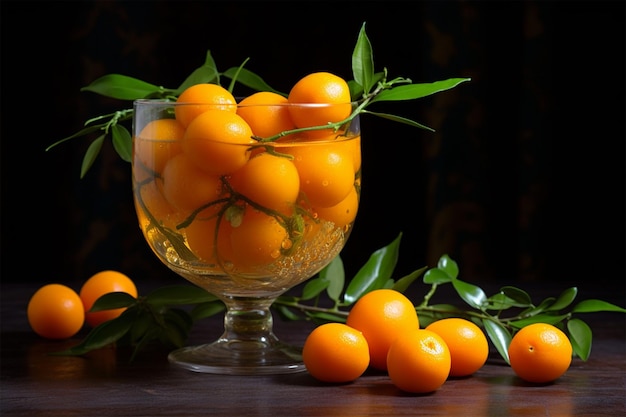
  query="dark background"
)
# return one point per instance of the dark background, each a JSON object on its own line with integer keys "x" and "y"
{"x": 522, "y": 181}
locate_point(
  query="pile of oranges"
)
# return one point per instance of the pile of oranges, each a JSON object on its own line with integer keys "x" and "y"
{"x": 382, "y": 332}
{"x": 245, "y": 181}
{"x": 56, "y": 311}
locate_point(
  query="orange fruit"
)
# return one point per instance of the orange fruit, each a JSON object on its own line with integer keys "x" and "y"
{"x": 326, "y": 171}
{"x": 418, "y": 361}
{"x": 157, "y": 142}
{"x": 267, "y": 113}
{"x": 150, "y": 204}
{"x": 55, "y": 311}
{"x": 187, "y": 187}
{"x": 213, "y": 249}
{"x": 258, "y": 240}
{"x": 330, "y": 96}
{"x": 382, "y": 315}
{"x": 199, "y": 98}
{"x": 102, "y": 283}
{"x": 540, "y": 353}
{"x": 467, "y": 343}
{"x": 218, "y": 142}
{"x": 341, "y": 214}
{"x": 335, "y": 352}
{"x": 270, "y": 181}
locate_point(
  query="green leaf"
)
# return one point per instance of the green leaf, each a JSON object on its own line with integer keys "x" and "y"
{"x": 595, "y": 306}
{"x": 207, "y": 73}
{"x": 286, "y": 313}
{"x": 82, "y": 132}
{"x": 314, "y": 287}
{"x": 499, "y": 302}
{"x": 416, "y": 91}
{"x": 122, "y": 142}
{"x": 539, "y": 318}
{"x": 363, "y": 61}
{"x": 121, "y": 87}
{"x": 543, "y": 306}
{"x": 208, "y": 309}
{"x": 178, "y": 323}
{"x": 324, "y": 317}
{"x": 399, "y": 119}
{"x": 436, "y": 276}
{"x": 375, "y": 273}
{"x": 521, "y": 297}
{"x": 499, "y": 336}
{"x": 449, "y": 266}
{"x": 249, "y": 79}
{"x": 179, "y": 295}
{"x": 92, "y": 153}
{"x": 564, "y": 300}
{"x": 403, "y": 283}
{"x": 470, "y": 293}
{"x": 335, "y": 274}
{"x": 113, "y": 300}
{"x": 580, "y": 336}
{"x": 102, "y": 335}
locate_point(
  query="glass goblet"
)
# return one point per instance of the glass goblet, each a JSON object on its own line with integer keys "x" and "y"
{"x": 245, "y": 218}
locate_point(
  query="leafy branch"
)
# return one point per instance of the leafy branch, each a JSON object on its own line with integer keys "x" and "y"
{"x": 366, "y": 88}
{"x": 158, "y": 317}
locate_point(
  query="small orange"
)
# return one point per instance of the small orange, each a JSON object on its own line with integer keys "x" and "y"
{"x": 199, "y": 98}
{"x": 157, "y": 142}
{"x": 326, "y": 171}
{"x": 267, "y": 113}
{"x": 270, "y": 181}
{"x": 187, "y": 187}
{"x": 102, "y": 283}
{"x": 218, "y": 142}
{"x": 326, "y": 99}
{"x": 467, "y": 343}
{"x": 540, "y": 353}
{"x": 210, "y": 241}
{"x": 382, "y": 315}
{"x": 341, "y": 214}
{"x": 336, "y": 353}
{"x": 259, "y": 240}
{"x": 419, "y": 361}
{"x": 55, "y": 311}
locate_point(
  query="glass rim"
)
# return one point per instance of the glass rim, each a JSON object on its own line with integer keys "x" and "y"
{"x": 160, "y": 102}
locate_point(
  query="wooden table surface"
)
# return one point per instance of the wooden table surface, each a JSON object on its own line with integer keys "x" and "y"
{"x": 106, "y": 384}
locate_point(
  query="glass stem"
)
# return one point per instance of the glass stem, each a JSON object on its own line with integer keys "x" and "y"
{"x": 248, "y": 323}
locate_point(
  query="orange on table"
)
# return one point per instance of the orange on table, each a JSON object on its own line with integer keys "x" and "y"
{"x": 157, "y": 142}
{"x": 99, "y": 284}
{"x": 336, "y": 353}
{"x": 269, "y": 180}
{"x": 330, "y": 95}
{"x": 218, "y": 142}
{"x": 187, "y": 187}
{"x": 343, "y": 213}
{"x": 326, "y": 171}
{"x": 199, "y": 98}
{"x": 468, "y": 344}
{"x": 267, "y": 113}
{"x": 258, "y": 240}
{"x": 418, "y": 361}
{"x": 382, "y": 315}
{"x": 540, "y": 353}
{"x": 55, "y": 311}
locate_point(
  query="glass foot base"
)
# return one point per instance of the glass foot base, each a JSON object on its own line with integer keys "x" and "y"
{"x": 239, "y": 358}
